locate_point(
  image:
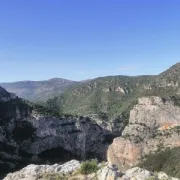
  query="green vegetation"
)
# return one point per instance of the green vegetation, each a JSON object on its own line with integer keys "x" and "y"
{"x": 41, "y": 110}
{"x": 89, "y": 167}
{"x": 105, "y": 98}
{"x": 167, "y": 161}
{"x": 108, "y": 97}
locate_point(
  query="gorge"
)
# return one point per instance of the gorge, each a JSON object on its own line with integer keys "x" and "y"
{"x": 122, "y": 120}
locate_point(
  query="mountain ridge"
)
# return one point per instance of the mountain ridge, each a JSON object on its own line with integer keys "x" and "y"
{"x": 103, "y": 96}
{"x": 113, "y": 95}
{"x": 38, "y": 90}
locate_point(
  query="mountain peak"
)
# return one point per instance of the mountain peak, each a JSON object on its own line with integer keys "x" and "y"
{"x": 175, "y": 69}
{"x": 168, "y": 78}
{"x": 172, "y": 74}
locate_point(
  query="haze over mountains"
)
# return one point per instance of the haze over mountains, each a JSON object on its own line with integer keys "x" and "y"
{"x": 38, "y": 90}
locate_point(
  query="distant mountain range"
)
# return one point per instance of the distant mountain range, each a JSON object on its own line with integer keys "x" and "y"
{"x": 38, "y": 90}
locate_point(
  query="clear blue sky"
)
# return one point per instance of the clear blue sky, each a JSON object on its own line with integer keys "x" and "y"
{"x": 81, "y": 39}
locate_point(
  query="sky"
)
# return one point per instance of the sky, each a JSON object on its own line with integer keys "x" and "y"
{"x": 84, "y": 39}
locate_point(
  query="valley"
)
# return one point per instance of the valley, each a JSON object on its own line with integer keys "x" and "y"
{"x": 125, "y": 121}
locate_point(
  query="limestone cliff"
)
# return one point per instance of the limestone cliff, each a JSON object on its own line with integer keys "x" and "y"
{"x": 153, "y": 126}
{"x": 28, "y": 135}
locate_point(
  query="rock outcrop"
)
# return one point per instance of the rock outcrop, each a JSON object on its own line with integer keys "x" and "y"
{"x": 33, "y": 172}
{"x": 108, "y": 173}
{"x": 153, "y": 126}
{"x": 30, "y": 136}
{"x": 68, "y": 171}
{"x": 80, "y": 136}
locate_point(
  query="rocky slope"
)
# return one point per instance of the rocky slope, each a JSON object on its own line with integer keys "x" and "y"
{"x": 68, "y": 171}
{"x": 169, "y": 78}
{"x": 38, "y": 90}
{"x": 154, "y": 125}
{"x": 30, "y": 133}
{"x": 6, "y": 96}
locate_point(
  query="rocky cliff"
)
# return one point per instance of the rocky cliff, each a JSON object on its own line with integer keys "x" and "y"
{"x": 154, "y": 125}
{"x": 30, "y": 133}
{"x": 69, "y": 171}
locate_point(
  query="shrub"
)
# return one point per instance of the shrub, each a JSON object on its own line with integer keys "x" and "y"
{"x": 89, "y": 167}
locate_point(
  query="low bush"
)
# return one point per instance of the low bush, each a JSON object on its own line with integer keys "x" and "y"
{"x": 89, "y": 167}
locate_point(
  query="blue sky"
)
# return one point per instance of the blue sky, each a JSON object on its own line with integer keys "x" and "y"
{"x": 82, "y": 39}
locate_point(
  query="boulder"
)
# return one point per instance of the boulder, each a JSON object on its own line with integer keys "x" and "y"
{"x": 137, "y": 174}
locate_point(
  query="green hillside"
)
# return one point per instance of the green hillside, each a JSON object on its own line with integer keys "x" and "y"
{"x": 167, "y": 161}
{"x": 108, "y": 97}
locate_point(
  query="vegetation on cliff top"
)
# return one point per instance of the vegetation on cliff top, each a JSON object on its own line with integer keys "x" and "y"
{"x": 167, "y": 161}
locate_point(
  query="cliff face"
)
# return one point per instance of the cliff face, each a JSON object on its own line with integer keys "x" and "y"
{"x": 80, "y": 136}
{"x": 27, "y": 135}
{"x": 153, "y": 126}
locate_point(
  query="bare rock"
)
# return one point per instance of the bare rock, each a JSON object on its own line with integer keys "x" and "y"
{"x": 152, "y": 124}
{"x": 108, "y": 173}
{"x": 32, "y": 172}
{"x": 136, "y": 174}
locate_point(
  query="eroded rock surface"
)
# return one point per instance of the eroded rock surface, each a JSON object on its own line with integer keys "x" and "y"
{"x": 28, "y": 136}
{"x": 68, "y": 171}
{"x": 153, "y": 125}
{"x": 33, "y": 172}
